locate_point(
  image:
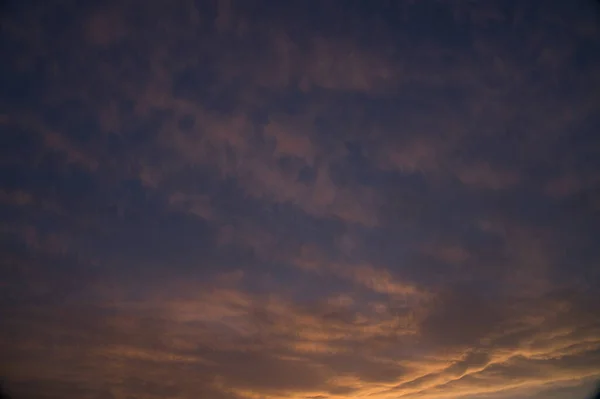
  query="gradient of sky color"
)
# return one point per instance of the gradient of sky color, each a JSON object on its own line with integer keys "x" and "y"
{"x": 300, "y": 199}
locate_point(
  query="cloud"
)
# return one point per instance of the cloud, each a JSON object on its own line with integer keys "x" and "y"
{"x": 290, "y": 144}
{"x": 454, "y": 254}
{"x": 105, "y": 27}
{"x": 342, "y": 66}
{"x": 483, "y": 176}
{"x": 198, "y": 205}
{"x": 54, "y": 141}
{"x": 19, "y": 198}
{"x": 297, "y": 200}
{"x": 236, "y": 341}
{"x": 563, "y": 186}
{"x": 224, "y": 15}
{"x": 570, "y": 184}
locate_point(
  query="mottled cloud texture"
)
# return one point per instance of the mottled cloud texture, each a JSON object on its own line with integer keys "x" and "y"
{"x": 300, "y": 199}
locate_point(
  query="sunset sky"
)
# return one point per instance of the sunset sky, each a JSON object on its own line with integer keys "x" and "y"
{"x": 300, "y": 199}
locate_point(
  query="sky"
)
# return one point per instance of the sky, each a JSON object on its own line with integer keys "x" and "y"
{"x": 300, "y": 199}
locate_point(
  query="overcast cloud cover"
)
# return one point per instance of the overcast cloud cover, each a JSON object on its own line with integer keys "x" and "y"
{"x": 300, "y": 199}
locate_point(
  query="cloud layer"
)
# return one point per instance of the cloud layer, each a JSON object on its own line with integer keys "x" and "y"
{"x": 300, "y": 199}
